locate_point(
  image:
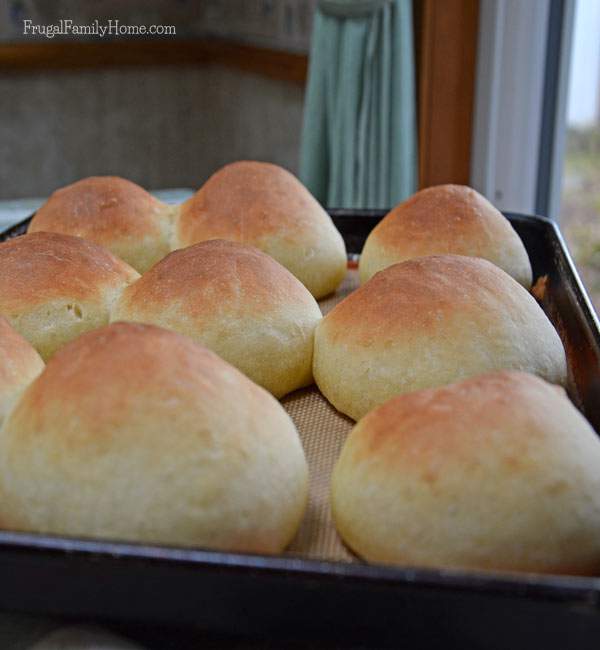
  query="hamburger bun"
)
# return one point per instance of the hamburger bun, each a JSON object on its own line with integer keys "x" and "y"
{"x": 54, "y": 287}
{"x": 265, "y": 206}
{"x": 239, "y": 303}
{"x": 136, "y": 433}
{"x": 428, "y": 322}
{"x": 445, "y": 219}
{"x": 112, "y": 212}
{"x": 498, "y": 472}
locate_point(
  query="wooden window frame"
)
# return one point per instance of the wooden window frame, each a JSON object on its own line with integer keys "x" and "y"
{"x": 446, "y": 47}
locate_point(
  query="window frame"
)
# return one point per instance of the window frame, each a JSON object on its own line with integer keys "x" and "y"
{"x": 524, "y": 51}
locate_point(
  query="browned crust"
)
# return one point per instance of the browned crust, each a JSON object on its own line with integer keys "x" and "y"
{"x": 444, "y": 219}
{"x": 447, "y": 219}
{"x": 215, "y": 275}
{"x": 247, "y": 201}
{"x": 499, "y": 471}
{"x": 94, "y": 369}
{"x": 100, "y": 208}
{"x": 452, "y": 420}
{"x": 43, "y": 266}
{"x": 423, "y": 294}
{"x": 135, "y": 432}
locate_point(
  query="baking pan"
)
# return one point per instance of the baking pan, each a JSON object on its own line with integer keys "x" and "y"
{"x": 287, "y": 599}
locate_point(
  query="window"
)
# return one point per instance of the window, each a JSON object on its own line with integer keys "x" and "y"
{"x": 536, "y": 135}
{"x": 580, "y": 188}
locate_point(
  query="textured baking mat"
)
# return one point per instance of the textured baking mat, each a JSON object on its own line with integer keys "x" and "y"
{"x": 323, "y": 431}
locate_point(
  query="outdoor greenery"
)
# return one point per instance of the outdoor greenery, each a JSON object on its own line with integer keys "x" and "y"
{"x": 580, "y": 206}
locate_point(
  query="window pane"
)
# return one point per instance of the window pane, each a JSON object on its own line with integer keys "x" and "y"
{"x": 580, "y": 201}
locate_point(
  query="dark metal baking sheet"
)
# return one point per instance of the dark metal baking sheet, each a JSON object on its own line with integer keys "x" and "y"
{"x": 331, "y": 604}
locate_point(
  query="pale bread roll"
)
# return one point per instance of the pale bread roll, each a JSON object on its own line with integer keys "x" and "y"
{"x": 136, "y": 433}
{"x": 427, "y": 322}
{"x": 265, "y": 206}
{"x": 445, "y": 219}
{"x": 54, "y": 287}
{"x": 239, "y": 303}
{"x": 114, "y": 213}
{"x": 20, "y": 364}
{"x": 496, "y": 472}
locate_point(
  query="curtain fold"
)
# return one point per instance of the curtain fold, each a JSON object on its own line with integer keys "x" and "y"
{"x": 359, "y": 133}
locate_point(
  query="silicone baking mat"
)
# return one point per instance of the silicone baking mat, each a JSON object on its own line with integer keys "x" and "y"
{"x": 323, "y": 431}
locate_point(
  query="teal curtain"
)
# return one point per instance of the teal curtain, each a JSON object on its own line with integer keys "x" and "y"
{"x": 359, "y": 134}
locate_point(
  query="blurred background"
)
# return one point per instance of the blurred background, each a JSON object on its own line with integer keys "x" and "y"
{"x": 365, "y": 100}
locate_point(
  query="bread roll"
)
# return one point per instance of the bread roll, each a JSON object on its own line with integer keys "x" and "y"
{"x": 445, "y": 219}
{"x": 496, "y": 472}
{"x": 265, "y": 206}
{"x": 114, "y": 213}
{"x": 20, "y": 364}
{"x": 427, "y": 322}
{"x": 54, "y": 287}
{"x": 136, "y": 433}
{"x": 239, "y": 303}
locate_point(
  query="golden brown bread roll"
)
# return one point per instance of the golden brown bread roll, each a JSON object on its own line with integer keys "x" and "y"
{"x": 427, "y": 322}
{"x": 20, "y": 364}
{"x": 136, "y": 433}
{"x": 265, "y": 206}
{"x": 114, "y": 213}
{"x": 239, "y": 303}
{"x": 496, "y": 472}
{"x": 54, "y": 287}
{"x": 445, "y": 219}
